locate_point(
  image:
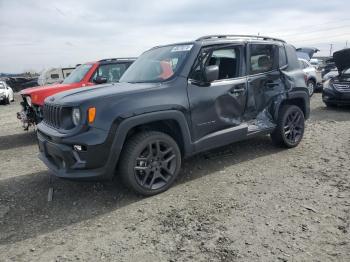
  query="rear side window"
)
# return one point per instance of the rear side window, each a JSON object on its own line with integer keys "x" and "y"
{"x": 262, "y": 58}
{"x": 54, "y": 76}
{"x": 282, "y": 56}
{"x": 293, "y": 62}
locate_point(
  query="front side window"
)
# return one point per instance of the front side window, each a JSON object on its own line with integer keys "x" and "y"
{"x": 77, "y": 74}
{"x": 227, "y": 59}
{"x": 262, "y": 58}
{"x": 158, "y": 64}
{"x": 112, "y": 72}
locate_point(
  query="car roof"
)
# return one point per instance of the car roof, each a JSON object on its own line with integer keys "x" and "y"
{"x": 227, "y": 39}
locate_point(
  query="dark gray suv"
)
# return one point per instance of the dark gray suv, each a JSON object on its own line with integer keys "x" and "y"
{"x": 175, "y": 101}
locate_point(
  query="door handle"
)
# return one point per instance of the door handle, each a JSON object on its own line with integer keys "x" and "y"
{"x": 271, "y": 84}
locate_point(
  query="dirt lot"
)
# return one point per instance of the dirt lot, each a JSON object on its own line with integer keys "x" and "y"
{"x": 246, "y": 202}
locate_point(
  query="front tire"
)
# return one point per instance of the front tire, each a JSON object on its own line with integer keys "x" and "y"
{"x": 290, "y": 127}
{"x": 150, "y": 162}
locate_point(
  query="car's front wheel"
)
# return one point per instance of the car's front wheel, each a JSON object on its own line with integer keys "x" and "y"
{"x": 290, "y": 127}
{"x": 150, "y": 162}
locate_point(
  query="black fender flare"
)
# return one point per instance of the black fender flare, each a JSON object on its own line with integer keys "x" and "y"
{"x": 124, "y": 126}
{"x": 297, "y": 94}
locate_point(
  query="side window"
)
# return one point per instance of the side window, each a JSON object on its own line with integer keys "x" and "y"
{"x": 54, "y": 76}
{"x": 282, "y": 56}
{"x": 262, "y": 58}
{"x": 112, "y": 72}
{"x": 227, "y": 59}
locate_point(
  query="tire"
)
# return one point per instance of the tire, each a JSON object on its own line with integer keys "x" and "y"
{"x": 150, "y": 162}
{"x": 290, "y": 127}
{"x": 311, "y": 86}
{"x": 7, "y": 101}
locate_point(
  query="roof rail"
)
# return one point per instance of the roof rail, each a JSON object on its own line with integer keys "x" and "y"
{"x": 117, "y": 59}
{"x": 239, "y": 36}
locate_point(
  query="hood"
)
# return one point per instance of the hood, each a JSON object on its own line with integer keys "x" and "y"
{"x": 39, "y": 93}
{"x": 306, "y": 52}
{"x": 80, "y": 95}
{"x": 342, "y": 59}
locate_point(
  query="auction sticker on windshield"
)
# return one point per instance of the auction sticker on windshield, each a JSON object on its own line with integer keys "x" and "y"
{"x": 181, "y": 48}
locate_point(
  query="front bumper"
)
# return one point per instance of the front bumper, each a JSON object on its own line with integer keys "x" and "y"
{"x": 332, "y": 96}
{"x": 66, "y": 162}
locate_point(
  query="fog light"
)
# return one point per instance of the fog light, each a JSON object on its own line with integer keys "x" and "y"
{"x": 78, "y": 147}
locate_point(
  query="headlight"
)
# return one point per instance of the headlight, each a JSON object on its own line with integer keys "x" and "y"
{"x": 29, "y": 100}
{"x": 76, "y": 116}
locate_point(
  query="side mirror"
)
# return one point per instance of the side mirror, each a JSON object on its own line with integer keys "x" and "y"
{"x": 100, "y": 80}
{"x": 212, "y": 73}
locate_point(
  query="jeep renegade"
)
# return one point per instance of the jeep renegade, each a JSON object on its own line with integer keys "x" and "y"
{"x": 172, "y": 102}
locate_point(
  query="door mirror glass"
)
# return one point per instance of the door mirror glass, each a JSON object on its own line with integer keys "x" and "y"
{"x": 100, "y": 80}
{"x": 212, "y": 73}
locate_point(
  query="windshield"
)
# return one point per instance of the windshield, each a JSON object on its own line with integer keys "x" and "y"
{"x": 77, "y": 74}
{"x": 157, "y": 65}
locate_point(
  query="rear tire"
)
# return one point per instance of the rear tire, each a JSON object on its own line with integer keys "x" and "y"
{"x": 290, "y": 127}
{"x": 311, "y": 86}
{"x": 150, "y": 162}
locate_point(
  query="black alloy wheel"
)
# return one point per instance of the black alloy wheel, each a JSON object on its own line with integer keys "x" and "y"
{"x": 150, "y": 162}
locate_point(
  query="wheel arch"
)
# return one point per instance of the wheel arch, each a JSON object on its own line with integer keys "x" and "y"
{"x": 171, "y": 122}
{"x": 298, "y": 98}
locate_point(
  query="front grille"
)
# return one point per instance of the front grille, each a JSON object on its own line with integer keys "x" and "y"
{"x": 52, "y": 115}
{"x": 342, "y": 87}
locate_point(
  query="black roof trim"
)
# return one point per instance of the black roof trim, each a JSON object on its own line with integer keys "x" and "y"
{"x": 118, "y": 59}
{"x": 258, "y": 37}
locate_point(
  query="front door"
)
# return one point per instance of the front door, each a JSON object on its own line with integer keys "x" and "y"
{"x": 220, "y": 104}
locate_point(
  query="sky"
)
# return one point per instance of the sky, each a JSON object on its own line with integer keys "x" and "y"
{"x": 39, "y": 34}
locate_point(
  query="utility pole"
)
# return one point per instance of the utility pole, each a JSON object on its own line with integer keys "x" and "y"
{"x": 346, "y": 44}
{"x": 330, "y": 49}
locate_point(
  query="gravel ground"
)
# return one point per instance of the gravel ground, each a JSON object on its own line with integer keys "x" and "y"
{"x": 248, "y": 201}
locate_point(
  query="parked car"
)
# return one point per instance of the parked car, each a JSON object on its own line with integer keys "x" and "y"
{"x": 314, "y": 80}
{"x": 19, "y": 83}
{"x": 336, "y": 90}
{"x": 6, "y": 93}
{"x": 93, "y": 73}
{"x": 175, "y": 101}
{"x": 54, "y": 75}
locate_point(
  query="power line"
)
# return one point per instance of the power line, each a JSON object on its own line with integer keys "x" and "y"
{"x": 315, "y": 31}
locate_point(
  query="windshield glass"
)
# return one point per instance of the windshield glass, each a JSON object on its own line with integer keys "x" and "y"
{"x": 77, "y": 74}
{"x": 157, "y": 65}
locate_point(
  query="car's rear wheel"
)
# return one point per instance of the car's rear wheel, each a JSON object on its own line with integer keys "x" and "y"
{"x": 290, "y": 127}
{"x": 150, "y": 162}
{"x": 311, "y": 87}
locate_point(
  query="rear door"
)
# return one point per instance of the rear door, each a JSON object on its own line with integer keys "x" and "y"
{"x": 220, "y": 104}
{"x": 264, "y": 79}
